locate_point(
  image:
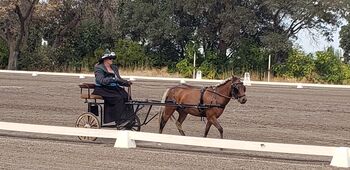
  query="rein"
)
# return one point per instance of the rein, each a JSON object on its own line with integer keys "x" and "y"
{"x": 228, "y": 97}
{"x": 219, "y": 94}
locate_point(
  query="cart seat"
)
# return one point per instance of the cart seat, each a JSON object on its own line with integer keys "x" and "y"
{"x": 91, "y": 96}
{"x": 86, "y": 93}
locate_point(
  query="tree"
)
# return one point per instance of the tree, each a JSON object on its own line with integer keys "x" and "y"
{"x": 329, "y": 67}
{"x": 3, "y": 54}
{"x": 282, "y": 20}
{"x": 15, "y": 17}
{"x": 345, "y": 41}
{"x": 298, "y": 65}
{"x": 159, "y": 26}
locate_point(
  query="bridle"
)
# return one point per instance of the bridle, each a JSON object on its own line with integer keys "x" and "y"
{"x": 234, "y": 91}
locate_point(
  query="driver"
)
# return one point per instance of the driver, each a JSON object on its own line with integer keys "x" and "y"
{"x": 109, "y": 85}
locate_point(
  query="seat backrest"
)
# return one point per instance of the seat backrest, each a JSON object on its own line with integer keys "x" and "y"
{"x": 87, "y": 85}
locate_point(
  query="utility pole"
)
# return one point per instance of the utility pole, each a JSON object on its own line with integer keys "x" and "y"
{"x": 194, "y": 65}
{"x": 269, "y": 69}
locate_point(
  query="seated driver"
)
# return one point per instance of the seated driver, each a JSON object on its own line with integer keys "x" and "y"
{"x": 109, "y": 85}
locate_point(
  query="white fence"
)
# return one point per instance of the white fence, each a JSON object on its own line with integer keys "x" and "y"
{"x": 182, "y": 80}
{"x": 126, "y": 139}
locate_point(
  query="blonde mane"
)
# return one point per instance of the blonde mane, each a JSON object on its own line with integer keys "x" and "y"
{"x": 222, "y": 83}
{"x": 229, "y": 79}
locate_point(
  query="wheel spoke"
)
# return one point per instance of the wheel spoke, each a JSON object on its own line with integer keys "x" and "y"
{"x": 81, "y": 123}
{"x": 93, "y": 123}
{"x": 88, "y": 120}
{"x": 83, "y": 119}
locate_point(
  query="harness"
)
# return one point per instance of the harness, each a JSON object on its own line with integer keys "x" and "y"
{"x": 201, "y": 106}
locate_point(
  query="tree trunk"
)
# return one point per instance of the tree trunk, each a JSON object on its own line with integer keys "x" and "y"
{"x": 13, "y": 57}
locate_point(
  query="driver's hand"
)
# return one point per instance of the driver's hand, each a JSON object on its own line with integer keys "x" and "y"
{"x": 129, "y": 83}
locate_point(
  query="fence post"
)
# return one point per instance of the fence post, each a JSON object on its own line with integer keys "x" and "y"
{"x": 341, "y": 157}
{"x": 123, "y": 140}
{"x": 246, "y": 80}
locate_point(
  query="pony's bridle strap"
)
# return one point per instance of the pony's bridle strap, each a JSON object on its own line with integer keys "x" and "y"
{"x": 235, "y": 86}
{"x": 228, "y": 97}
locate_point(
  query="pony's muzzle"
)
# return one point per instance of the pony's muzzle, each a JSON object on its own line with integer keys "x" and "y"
{"x": 242, "y": 99}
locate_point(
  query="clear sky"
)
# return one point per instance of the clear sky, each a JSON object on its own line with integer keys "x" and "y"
{"x": 311, "y": 44}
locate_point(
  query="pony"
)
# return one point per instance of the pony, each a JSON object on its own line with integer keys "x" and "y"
{"x": 208, "y": 102}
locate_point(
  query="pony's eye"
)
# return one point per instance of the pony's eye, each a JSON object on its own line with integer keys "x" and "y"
{"x": 235, "y": 90}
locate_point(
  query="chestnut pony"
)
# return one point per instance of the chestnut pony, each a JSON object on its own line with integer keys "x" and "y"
{"x": 208, "y": 102}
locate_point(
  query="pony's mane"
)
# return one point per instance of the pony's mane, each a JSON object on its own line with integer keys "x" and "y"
{"x": 227, "y": 80}
{"x": 218, "y": 85}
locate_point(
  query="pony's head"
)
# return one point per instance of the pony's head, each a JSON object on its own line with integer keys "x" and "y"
{"x": 238, "y": 90}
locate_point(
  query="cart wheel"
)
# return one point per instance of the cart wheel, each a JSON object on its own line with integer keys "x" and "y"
{"x": 137, "y": 124}
{"x": 87, "y": 120}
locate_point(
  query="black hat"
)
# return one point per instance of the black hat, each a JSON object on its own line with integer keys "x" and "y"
{"x": 107, "y": 55}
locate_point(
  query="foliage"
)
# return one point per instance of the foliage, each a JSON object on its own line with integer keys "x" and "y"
{"x": 209, "y": 65}
{"x": 329, "y": 67}
{"x": 39, "y": 60}
{"x": 131, "y": 54}
{"x": 345, "y": 41}
{"x": 3, "y": 54}
{"x": 185, "y": 68}
{"x": 298, "y": 65}
{"x": 346, "y": 71}
{"x": 15, "y": 18}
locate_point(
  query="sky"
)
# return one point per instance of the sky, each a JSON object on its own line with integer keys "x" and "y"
{"x": 311, "y": 44}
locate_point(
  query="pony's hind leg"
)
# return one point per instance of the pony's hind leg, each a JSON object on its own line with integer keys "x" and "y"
{"x": 168, "y": 111}
{"x": 180, "y": 120}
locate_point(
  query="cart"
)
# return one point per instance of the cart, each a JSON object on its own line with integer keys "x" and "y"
{"x": 94, "y": 116}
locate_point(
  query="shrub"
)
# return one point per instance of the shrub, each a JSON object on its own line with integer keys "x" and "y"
{"x": 4, "y": 53}
{"x": 329, "y": 67}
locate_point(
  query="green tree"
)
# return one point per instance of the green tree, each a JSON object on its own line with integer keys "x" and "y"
{"x": 131, "y": 54}
{"x": 298, "y": 66}
{"x": 329, "y": 67}
{"x": 3, "y": 54}
{"x": 345, "y": 41}
{"x": 15, "y": 18}
{"x": 157, "y": 27}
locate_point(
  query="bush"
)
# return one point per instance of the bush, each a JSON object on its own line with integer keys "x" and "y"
{"x": 329, "y": 67}
{"x": 4, "y": 53}
{"x": 346, "y": 71}
{"x": 185, "y": 68}
{"x": 131, "y": 54}
{"x": 38, "y": 60}
{"x": 298, "y": 65}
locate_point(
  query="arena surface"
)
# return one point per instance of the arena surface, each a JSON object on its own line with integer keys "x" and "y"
{"x": 311, "y": 116}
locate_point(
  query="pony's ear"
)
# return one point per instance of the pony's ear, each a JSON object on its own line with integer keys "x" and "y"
{"x": 233, "y": 76}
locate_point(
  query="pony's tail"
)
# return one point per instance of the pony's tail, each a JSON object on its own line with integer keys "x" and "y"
{"x": 161, "y": 109}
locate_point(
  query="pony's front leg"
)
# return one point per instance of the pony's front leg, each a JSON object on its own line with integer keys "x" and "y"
{"x": 215, "y": 122}
{"x": 207, "y": 128}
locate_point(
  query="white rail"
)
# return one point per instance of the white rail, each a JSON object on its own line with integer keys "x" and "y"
{"x": 126, "y": 139}
{"x": 182, "y": 80}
